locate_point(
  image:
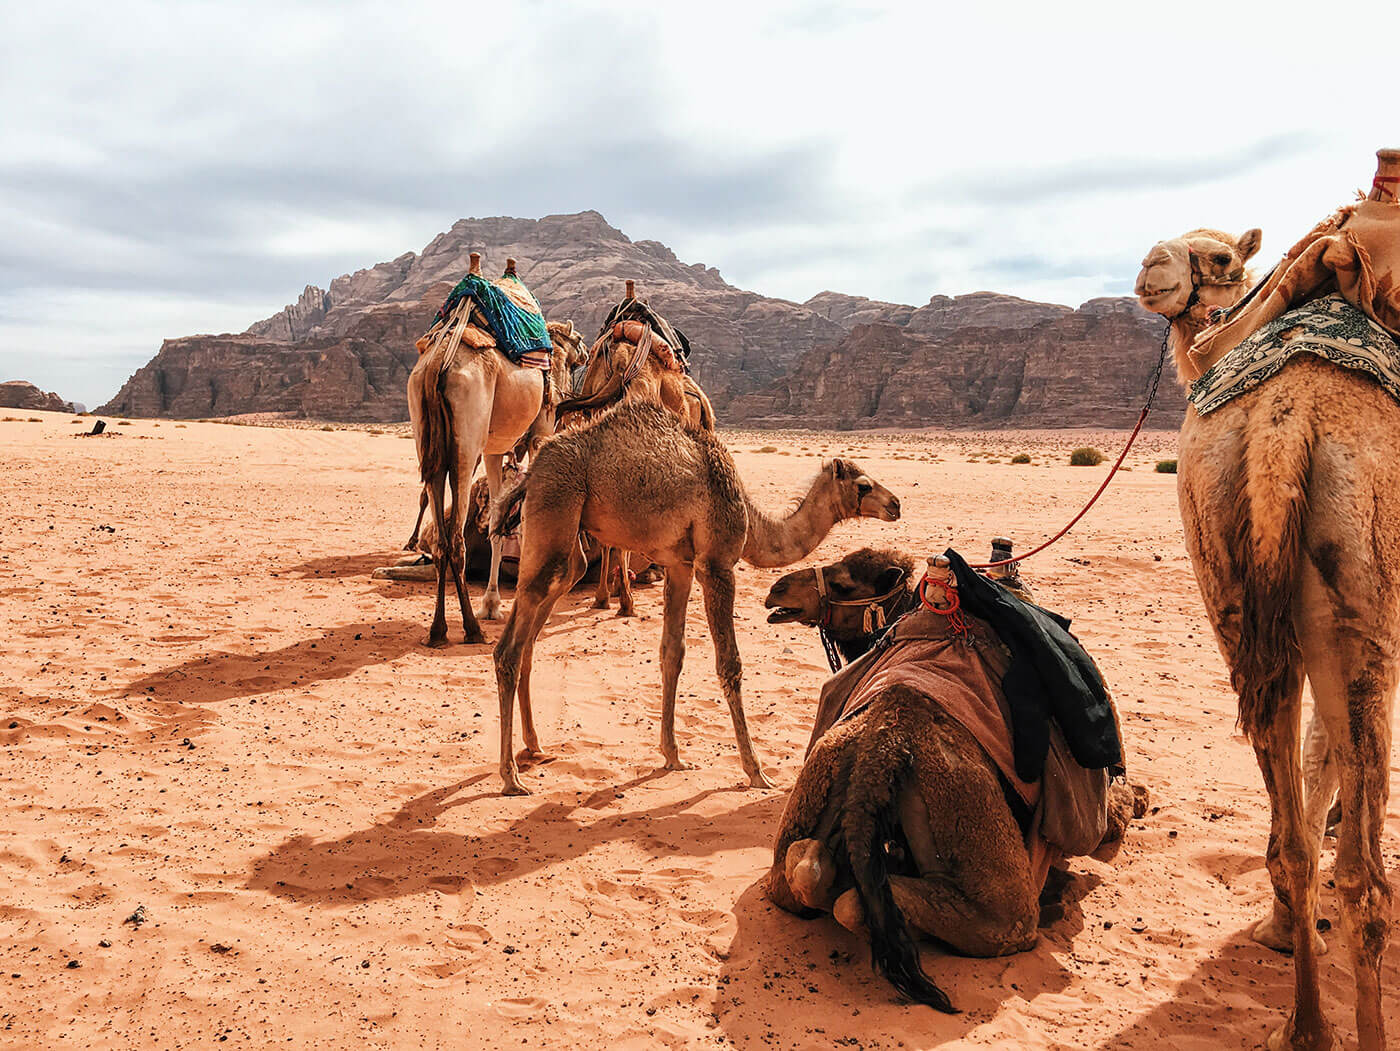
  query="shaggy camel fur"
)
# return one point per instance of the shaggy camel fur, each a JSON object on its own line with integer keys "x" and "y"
{"x": 569, "y": 353}
{"x": 473, "y": 406}
{"x": 904, "y": 767}
{"x": 639, "y": 479}
{"x": 1290, "y": 499}
{"x": 604, "y": 384}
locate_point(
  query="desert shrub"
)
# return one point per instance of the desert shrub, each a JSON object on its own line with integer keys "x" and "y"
{"x": 767, "y": 449}
{"x": 1166, "y": 467}
{"x": 1085, "y": 456}
{"x": 328, "y": 427}
{"x": 1021, "y": 458}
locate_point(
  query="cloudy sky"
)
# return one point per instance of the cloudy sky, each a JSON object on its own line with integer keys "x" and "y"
{"x": 172, "y": 168}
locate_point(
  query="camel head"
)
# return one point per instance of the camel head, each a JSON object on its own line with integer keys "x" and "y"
{"x": 568, "y": 341}
{"x": 862, "y": 575}
{"x": 1205, "y": 266}
{"x": 854, "y": 494}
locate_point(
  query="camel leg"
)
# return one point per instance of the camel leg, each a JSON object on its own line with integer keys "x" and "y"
{"x": 437, "y": 634}
{"x": 491, "y": 603}
{"x": 549, "y": 565}
{"x": 1292, "y": 866}
{"x": 1320, "y": 780}
{"x": 471, "y": 425}
{"x": 717, "y": 586}
{"x": 418, "y": 522}
{"x": 604, "y": 592}
{"x": 1353, "y": 681}
{"x": 624, "y": 584}
{"x": 577, "y": 566}
{"x": 677, "y": 597}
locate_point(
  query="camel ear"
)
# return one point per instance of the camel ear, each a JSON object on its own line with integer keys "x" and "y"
{"x": 840, "y": 470}
{"x": 1249, "y": 243}
{"x": 890, "y": 577}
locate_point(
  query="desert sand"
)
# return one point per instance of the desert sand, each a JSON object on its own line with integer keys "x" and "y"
{"x": 210, "y": 713}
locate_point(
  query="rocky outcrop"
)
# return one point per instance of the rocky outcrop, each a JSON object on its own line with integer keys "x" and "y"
{"x": 20, "y": 394}
{"x": 345, "y": 352}
{"x": 1075, "y": 368}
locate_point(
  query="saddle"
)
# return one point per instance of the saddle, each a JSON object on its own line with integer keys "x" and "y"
{"x": 500, "y": 314}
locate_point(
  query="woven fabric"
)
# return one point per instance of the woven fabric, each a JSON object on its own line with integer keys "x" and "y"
{"x": 510, "y": 311}
{"x": 1329, "y": 327}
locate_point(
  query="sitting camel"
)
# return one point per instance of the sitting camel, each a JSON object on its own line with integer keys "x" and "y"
{"x": 1290, "y": 498}
{"x": 900, "y": 818}
{"x": 638, "y": 478}
{"x": 638, "y": 356}
{"x": 469, "y": 403}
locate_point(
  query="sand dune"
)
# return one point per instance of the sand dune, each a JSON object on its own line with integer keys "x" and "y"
{"x": 208, "y": 709}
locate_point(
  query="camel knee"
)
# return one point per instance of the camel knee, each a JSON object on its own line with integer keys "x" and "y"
{"x": 811, "y": 874}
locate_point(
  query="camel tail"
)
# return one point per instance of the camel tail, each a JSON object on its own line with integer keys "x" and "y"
{"x": 510, "y": 508}
{"x": 871, "y": 822}
{"x": 436, "y": 438}
{"x": 1268, "y": 545}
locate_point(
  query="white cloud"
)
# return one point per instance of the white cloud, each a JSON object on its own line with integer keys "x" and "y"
{"x": 167, "y": 169}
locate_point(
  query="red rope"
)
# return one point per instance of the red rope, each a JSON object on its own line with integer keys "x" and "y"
{"x": 1085, "y": 510}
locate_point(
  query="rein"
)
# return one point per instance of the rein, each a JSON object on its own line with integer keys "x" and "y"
{"x": 875, "y": 618}
{"x": 1142, "y": 418}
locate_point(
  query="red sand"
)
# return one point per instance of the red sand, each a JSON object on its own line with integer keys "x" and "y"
{"x": 208, "y": 709}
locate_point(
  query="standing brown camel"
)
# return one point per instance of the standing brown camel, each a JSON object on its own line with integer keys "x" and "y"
{"x": 967, "y": 869}
{"x": 1290, "y": 499}
{"x": 640, "y": 479}
{"x": 470, "y": 403}
{"x": 633, "y": 359}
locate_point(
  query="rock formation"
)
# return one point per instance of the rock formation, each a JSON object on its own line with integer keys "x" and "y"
{"x": 20, "y": 394}
{"x": 344, "y": 352}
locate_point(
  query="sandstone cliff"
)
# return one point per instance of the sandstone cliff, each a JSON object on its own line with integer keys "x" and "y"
{"x": 20, "y": 394}
{"x": 344, "y": 352}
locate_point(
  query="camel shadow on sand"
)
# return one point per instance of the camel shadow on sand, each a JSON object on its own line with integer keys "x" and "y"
{"x": 334, "y": 654}
{"x": 407, "y": 855}
{"x": 1242, "y": 993}
{"x": 796, "y": 981}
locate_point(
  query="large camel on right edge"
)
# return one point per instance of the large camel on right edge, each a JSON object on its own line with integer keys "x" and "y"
{"x": 640, "y": 479}
{"x": 1290, "y": 499}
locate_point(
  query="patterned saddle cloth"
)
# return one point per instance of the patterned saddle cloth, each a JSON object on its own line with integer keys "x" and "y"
{"x": 1329, "y": 327}
{"x": 501, "y": 314}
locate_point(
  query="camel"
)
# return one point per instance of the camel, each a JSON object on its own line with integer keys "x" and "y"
{"x": 1290, "y": 500}
{"x": 903, "y": 771}
{"x": 639, "y": 478}
{"x": 569, "y": 353}
{"x": 619, "y": 370}
{"x": 471, "y": 404}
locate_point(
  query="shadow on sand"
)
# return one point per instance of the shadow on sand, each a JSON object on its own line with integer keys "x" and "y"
{"x": 406, "y": 855}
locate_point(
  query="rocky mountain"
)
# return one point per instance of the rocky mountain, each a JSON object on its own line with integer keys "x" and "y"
{"x": 1085, "y": 367}
{"x": 345, "y": 352}
{"x": 20, "y": 394}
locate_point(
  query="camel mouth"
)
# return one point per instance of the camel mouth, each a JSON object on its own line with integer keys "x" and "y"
{"x": 784, "y": 615}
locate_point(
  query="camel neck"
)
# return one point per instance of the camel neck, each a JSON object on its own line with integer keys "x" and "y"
{"x": 773, "y": 542}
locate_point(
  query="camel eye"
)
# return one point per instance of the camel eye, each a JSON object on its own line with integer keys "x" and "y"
{"x": 863, "y": 488}
{"x": 1222, "y": 259}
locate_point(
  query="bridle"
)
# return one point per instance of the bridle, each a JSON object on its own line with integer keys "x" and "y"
{"x": 875, "y": 616}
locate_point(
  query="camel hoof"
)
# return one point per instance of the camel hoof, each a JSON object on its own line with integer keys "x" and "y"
{"x": 1276, "y": 933}
{"x": 848, "y": 912}
{"x": 677, "y": 763}
{"x": 1287, "y": 1038}
{"x": 436, "y": 642}
{"x": 514, "y": 788}
{"x": 758, "y": 779}
{"x": 601, "y": 603}
{"x": 473, "y": 638}
{"x": 491, "y": 608}
{"x": 625, "y": 611}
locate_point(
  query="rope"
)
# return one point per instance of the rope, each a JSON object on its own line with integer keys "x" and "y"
{"x": 1142, "y": 418}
